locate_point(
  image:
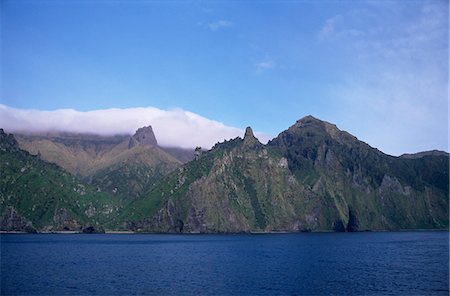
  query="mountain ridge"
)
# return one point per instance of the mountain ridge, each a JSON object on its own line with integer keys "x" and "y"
{"x": 331, "y": 181}
{"x": 311, "y": 177}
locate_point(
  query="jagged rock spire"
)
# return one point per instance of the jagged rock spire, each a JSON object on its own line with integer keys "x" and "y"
{"x": 143, "y": 136}
{"x": 248, "y": 133}
{"x": 249, "y": 137}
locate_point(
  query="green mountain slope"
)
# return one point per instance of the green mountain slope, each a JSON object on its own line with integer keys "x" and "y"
{"x": 385, "y": 192}
{"x": 37, "y": 194}
{"x": 78, "y": 154}
{"x": 134, "y": 171}
{"x": 120, "y": 165}
{"x": 311, "y": 177}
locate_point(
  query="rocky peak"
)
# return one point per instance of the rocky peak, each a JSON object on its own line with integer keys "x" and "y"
{"x": 248, "y": 133}
{"x": 310, "y": 123}
{"x": 308, "y": 120}
{"x": 249, "y": 137}
{"x": 143, "y": 136}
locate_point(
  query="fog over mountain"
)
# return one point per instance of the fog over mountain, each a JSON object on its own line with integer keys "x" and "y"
{"x": 175, "y": 127}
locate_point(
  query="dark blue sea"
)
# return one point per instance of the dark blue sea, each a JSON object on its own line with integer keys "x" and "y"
{"x": 370, "y": 263}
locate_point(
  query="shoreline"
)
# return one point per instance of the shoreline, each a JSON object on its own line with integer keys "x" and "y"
{"x": 217, "y": 233}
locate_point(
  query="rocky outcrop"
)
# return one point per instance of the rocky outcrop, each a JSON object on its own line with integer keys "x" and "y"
{"x": 338, "y": 226}
{"x": 250, "y": 141}
{"x": 197, "y": 152}
{"x": 353, "y": 223}
{"x": 90, "y": 229}
{"x": 64, "y": 220}
{"x": 143, "y": 136}
{"x": 7, "y": 142}
{"x": 13, "y": 221}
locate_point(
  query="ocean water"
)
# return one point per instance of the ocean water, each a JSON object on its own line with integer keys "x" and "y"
{"x": 387, "y": 263}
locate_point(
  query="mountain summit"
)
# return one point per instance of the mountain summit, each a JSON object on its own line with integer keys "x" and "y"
{"x": 143, "y": 136}
{"x": 250, "y": 139}
{"x": 249, "y": 133}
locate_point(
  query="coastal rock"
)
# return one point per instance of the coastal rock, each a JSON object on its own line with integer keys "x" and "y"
{"x": 89, "y": 229}
{"x": 338, "y": 226}
{"x": 13, "y": 221}
{"x": 64, "y": 221}
{"x": 353, "y": 223}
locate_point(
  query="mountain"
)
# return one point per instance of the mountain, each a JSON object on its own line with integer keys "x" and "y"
{"x": 122, "y": 165}
{"x": 134, "y": 166}
{"x": 386, "y": 192}
{"x": 35, "y": 194}
{"x": 311, "y": 177}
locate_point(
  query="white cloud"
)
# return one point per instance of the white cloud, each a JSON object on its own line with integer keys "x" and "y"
{"x": 172, "y": 128}
{"x": 221, "y": 24}
{"x": 264, "y": 66}
{"x": 335, "y": 28}
{"x": 328, "y": 28}
{"x": 397, "y": 91}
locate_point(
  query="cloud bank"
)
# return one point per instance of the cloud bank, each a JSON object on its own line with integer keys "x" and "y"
{"x": 172, "y": 127}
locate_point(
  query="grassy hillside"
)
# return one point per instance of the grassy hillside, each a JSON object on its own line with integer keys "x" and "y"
{"x": 109, "y": 162}
{"x": 134, "y": 171}
{"x": 78, "y": 154}
{"x": 47, "y": 196}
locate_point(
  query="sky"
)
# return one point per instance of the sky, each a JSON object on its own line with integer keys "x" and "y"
{"x": 207, "y": 69}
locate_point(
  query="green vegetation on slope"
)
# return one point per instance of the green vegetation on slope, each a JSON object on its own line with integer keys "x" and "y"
{"x": 46, "y": 195}
{"x": 311, "y": 177}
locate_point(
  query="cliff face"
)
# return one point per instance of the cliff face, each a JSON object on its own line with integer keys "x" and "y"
{"x": 311, "y": 177}
{"x": 10, "y": 220}
{"x": 384, "y": 192}
{"x": 227, "y": 190}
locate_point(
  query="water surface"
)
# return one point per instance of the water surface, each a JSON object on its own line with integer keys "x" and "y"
{"x": 259, "y": 264}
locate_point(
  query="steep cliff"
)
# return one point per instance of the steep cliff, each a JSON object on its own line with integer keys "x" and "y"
{"x": 311, "y": 177}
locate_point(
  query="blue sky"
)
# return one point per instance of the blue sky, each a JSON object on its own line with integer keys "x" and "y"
{"x": 378, "y": 69}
